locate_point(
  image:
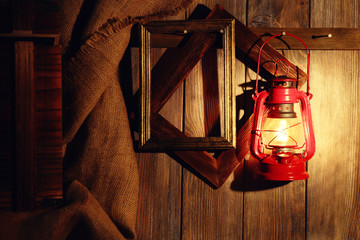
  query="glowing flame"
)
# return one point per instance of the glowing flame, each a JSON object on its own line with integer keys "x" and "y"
{"x": 281, "y": 133}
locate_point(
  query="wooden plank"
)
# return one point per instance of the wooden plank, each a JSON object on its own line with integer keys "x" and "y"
{"x": 20, "y": 35}
{"x": 283, "y": 204}
{"x": 330, "y": 177}
{"x": 218, "y": 12}
{"x": 273, "y": 210}
{"x": 159, "y": 213}
{"x": 22, "y": 12}
{"x": 48, "y": 149}
{"x": 315, "y": 38}
{"x": 211, "y": 93}
{"x": 247, "y": 48}
{"x": 210, "y": 213}
{"x": 214, "y": 170}
{"x": 47, "y": 19}
{"x": 174, "y": 66}
{"x": 164, "y": 135}
{"x": 335, "y": 169}
{"x": 25, "y": 132}
{"x": 201, "y": 161}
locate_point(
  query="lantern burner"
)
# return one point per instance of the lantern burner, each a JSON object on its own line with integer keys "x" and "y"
{"x": 283, "y": 155}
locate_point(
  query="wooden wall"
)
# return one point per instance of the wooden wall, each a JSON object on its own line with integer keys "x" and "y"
{"x": 30, "y": 105}
{"x": 176, "y": 204}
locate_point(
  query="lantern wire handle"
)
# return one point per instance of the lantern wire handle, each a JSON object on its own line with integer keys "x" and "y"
{"x": 282, "y": 59}
{"x": 308, "y": 61}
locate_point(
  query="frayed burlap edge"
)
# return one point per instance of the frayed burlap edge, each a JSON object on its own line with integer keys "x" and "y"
{"x": 111, "y": 27}
{"x": 114, "y": 25}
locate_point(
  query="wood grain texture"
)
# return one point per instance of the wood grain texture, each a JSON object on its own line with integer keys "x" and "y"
{"x": 214, "y": 170}
{"x": 211, "y": 93}
{"x": 159, "y": 212}
{"x": 47, "y": 17}
{"x": 278, "y": 212}
{"x": 335, "y": 168}
{"x": 210, "y": 213}
{"x": 31, "y": 112}
{"x": 328, "y": 207}
{"x": 247, "y": 48}
{"x": 194, "y": 104}
{"x": 182, "y": 60}
{"x": 165, "y": 135}
{"x": 315, "y": 38}
{"x": 158, "y": 95}
{"x": 25, "y": 121}
{"x": 278, "y": 13}
{"x": 22, "y": 13}
{"x": 48, "y": 126}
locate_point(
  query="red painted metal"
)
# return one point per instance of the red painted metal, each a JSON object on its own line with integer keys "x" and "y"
{"x": 284, "y": 163}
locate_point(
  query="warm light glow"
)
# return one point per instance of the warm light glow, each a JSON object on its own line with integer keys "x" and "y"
{"x": 283, "y": 132}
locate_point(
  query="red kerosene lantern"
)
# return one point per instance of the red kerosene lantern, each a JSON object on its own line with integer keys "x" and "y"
{"x": 284, "y": 139}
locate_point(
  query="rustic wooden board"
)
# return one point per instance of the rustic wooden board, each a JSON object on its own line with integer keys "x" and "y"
{"x": 333, "y": 198}
{"x": 31, "y": 110}
{"x": 282, "y": 204}
{"x": 325, "y": 208}
{"x": 315, "y": 38}
{"x": 159, "y": 212}
{"x": 211, "y": 95}
{"x": 209, "y": 213}
{"x": 48, "y": 124}
{"x": 170, "y": 76}
{"x": 278, "y": 212}
{"x": 25, "y": 132}
{"x": 247, "y": 48}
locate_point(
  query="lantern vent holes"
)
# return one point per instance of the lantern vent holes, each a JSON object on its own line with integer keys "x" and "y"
{"x": 284, "y": 82}
{"x": 283, "y": 110}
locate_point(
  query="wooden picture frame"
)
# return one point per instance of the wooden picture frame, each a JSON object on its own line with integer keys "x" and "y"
{"x": 196, "y": 37}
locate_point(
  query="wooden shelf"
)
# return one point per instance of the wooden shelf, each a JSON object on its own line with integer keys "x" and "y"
{"x": 43, "y": 38}
{"x": 315, "y": 38}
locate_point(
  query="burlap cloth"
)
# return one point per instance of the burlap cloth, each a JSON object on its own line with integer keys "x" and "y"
{"x": 100, "y": 169}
